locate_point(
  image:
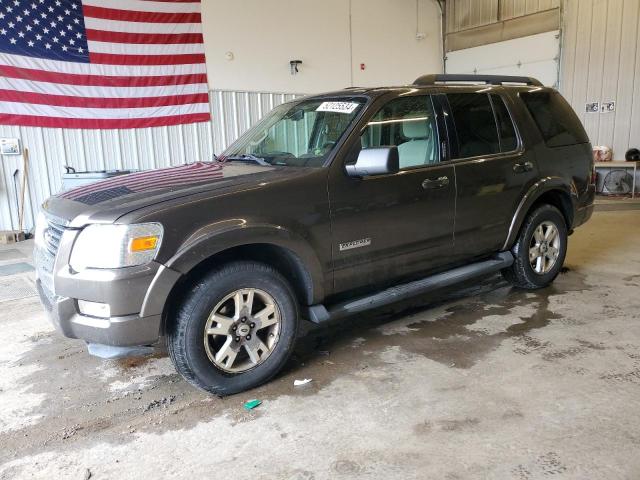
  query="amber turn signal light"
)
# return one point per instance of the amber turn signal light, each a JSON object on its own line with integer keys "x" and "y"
{"x": 141, "y": 244}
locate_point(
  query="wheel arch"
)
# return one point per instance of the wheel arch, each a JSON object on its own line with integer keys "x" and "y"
{"x": 306, "y": 288}
{"x": 551, "y": 191}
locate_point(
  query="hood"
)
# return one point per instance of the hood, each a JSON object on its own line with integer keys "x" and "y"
{"x": 107, "y": 200}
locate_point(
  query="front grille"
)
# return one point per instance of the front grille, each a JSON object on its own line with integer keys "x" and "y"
{"x": 52, "y": 236}
{"x": 46, "y": 256}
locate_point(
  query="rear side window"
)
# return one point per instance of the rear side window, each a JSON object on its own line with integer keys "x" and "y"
{"x": 555, "y": 118}
{"x": 475, "y": 124}
{"x": 508, "y": 138}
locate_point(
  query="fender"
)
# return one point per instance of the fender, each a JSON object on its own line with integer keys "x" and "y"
{"x": 542, "y": 186}
{"x": 220, "y": 236}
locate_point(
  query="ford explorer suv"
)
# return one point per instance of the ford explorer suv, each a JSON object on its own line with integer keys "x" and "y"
{"x": 329, "y": 206}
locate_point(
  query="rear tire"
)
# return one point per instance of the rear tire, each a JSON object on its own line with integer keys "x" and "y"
{"x": 540, "y": 249}
{"x": 236, "y": 328}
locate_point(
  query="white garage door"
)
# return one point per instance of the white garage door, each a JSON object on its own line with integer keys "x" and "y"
{"x": 536, "y": 56}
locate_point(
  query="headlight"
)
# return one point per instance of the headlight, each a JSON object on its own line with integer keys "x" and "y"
{"x": 116, "y": 246}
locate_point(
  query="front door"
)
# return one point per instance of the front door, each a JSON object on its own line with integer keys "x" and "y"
{"x": 389, "y": 227}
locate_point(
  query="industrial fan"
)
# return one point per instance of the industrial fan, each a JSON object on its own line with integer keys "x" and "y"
{"x": 618, "y": 182}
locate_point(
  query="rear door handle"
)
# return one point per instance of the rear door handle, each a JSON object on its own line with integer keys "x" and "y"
{"x": 431, "y": 183}
{"x": 523, "y": 167}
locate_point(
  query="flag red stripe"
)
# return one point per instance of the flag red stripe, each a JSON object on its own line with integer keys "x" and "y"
{"x": 114, "y": 59}
{"x": 143, "y": 38}
{"x": 99, "y": 80}
{"x": 68, "y": 101}
{"x": 134, "y": 16}
{"x": 52, "y": 122}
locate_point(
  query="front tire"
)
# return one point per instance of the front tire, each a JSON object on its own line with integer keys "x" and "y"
{"x": 236, "y": 329}
{"x": 540, "y": 249}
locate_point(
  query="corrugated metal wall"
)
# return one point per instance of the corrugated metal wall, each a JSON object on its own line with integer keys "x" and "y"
{"x": 52, "y": 148}
{"x": 466, "y": 14}
{"x": 600, "y": 62}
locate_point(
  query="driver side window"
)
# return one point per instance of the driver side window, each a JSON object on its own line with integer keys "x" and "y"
{"x": 408, "y": 123}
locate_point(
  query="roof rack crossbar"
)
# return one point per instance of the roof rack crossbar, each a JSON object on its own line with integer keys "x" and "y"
{"x": 432, "y": 79}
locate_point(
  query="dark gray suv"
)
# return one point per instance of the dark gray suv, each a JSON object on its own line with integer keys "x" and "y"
{"x": 331, "y": 205}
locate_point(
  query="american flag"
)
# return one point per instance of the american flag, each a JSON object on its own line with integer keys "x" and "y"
{"x": 102, "y": 63}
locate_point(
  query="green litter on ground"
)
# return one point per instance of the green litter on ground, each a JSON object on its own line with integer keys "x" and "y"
{"x": 251, "y": 404}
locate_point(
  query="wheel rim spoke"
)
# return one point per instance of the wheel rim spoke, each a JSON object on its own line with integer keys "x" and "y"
{"x": 227, "y": 355}
{"x": 221, "y": 326}
{"x": 538, "y": 234}
{"x": 256, "y": 349}
{"x": 265, "y": 317}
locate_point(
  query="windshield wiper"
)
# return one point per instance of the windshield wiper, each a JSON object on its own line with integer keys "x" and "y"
{"x": 247, "y": 157}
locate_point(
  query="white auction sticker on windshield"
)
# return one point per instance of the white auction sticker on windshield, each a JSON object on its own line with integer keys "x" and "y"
{"x": 337, "y": 107}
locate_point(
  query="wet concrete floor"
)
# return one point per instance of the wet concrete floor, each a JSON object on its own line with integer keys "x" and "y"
{"x": 479, "y": 381}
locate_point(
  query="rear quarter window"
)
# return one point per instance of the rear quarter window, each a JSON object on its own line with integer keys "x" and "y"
{"x": 556, "y": 120}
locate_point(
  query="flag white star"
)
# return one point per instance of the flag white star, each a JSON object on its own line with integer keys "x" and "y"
{"x": 58, "y": 3}
{"x": 74, "y": 6}
{"x": 48, "y": 46}
{"x": 9, "y": 9}
{"x": 19, "y": 18}
{"x": 36, "y": 21}
{"x": 55, "y": 40}
{"x": 21, "y": 34}
{"x": 30, "y": 43}
{"x": 38, "y": 37}
{"x": 11, "y": 24}
{"x": 1, "y": 15}
{"x": 3, "y": 32}
{"x": 72, "y": 41}
{"x": 69, "y": 27}
{"x": 60, "y": 18}
{"x": 63, "y": 33}
{"x": 78, "y": 35}
{"x": 64, "y": 48}
{"x": 45, "y": 30}
{"x": 16, "y": 3}
{"x": 29, "y": 28}
{"x": 13, "y": 41}
{"x": 81, "y": 50}
{"x": 67, "y": 12}
{"x": 76, "y": 20}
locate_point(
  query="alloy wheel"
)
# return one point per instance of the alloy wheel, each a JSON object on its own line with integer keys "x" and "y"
{"x": 242, "y": 330}
{"x": 544, "y": 248}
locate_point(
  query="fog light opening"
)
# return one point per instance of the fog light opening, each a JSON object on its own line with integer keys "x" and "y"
{"x": 94, "y": 309}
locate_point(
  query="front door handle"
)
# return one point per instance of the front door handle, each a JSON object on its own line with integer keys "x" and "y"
{"x": 431, "y": 183}
{"x": 523, "y": 167}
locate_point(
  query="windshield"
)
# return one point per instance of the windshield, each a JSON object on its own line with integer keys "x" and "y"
{"x": 302, "y": 134}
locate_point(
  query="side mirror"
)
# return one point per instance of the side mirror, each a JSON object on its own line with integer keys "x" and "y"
{"x": 375, "y": 161}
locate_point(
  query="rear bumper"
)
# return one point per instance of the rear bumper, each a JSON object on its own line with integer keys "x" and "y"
{"x": 127, "y": 330}
{"x": 583, "y": 214}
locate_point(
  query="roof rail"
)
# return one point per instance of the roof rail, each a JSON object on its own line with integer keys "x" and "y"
{"x": 432, "y": 79}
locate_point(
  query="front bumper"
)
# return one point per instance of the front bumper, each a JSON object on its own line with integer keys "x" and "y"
{"x": 135, "y": 295}
{"x": 127, "y": 330}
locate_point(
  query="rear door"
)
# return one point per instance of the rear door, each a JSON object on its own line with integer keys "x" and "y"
{"x": 493, "y": 171}
{"x": 390, "y": 227}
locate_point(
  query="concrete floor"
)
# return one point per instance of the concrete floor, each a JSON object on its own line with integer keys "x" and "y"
{"x": 474, "y": 383}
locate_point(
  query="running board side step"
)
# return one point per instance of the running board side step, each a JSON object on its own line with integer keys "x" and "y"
{"x": 320, "y": 314}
